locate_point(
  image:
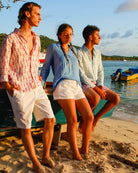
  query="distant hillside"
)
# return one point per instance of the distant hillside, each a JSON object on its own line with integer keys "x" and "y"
{"x": 116, "y": 57}
{"x": 45, "y": 41}
{"x": 2, "y": 36}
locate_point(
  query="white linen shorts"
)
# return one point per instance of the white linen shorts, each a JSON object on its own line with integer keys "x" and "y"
{"x": 68, "y": 89}
{"x": 24, "y": 103}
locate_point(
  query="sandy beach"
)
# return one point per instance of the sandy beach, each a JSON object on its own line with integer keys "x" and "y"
{"x": 113, "y": 149}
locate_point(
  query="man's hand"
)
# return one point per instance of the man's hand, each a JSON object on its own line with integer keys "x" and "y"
{"x": 101, "y": 87}
{"x": 100, "y": 91}
{"x": 9, "y": 88}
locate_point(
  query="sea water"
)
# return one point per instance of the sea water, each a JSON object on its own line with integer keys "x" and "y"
{"x": 128, "y": 91}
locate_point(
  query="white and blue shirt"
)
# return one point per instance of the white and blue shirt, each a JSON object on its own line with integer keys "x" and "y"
{"x": 90, "y": 69}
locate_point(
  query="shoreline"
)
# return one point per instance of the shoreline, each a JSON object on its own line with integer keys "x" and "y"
{"x": 113, "y": 148}
{"x": 120, "y": 129}
{"x": 125, "y": 115}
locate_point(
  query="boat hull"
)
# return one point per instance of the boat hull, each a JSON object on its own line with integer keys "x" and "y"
{"x": 125, "y": 78}
{"x": 7, "y": 120}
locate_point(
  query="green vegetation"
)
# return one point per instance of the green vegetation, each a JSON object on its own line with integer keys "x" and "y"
{"x": 45, "y": 41}
{"x": 116, "y": 57}
{"x": 2, "y": 36}
{"x": 7, "y": 6}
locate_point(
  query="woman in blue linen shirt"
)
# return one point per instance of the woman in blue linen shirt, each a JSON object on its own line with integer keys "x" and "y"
{"x": 67, "y": 91}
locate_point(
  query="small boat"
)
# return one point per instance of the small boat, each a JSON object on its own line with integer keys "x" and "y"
{"x": 120, "y": 75}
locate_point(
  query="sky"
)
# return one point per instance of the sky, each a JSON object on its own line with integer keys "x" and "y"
{"x": 117, "y": 20}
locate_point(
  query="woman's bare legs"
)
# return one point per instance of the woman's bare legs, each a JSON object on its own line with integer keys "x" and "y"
{"x": 69, "y": 110}
{"x": 94, "y": 99}
{"x": 84, "y": 108}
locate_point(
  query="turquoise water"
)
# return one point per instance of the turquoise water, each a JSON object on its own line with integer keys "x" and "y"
{"x": 128, "y": 91}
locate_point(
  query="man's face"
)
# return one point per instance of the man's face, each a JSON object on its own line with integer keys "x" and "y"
{"x": 35, "y": 16}
{"x": 96, "y": 37}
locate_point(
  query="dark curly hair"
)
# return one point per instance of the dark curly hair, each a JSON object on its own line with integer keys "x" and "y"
{"x": 26, "y": 7}
{"x": 88, "y": 30}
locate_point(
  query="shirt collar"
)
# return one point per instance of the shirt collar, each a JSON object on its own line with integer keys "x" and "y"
{"x": 86, "y": 49}
{"x": 20, "y": 32}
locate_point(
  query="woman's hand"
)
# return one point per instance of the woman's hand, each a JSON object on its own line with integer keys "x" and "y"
{"x": 40, "y": 78}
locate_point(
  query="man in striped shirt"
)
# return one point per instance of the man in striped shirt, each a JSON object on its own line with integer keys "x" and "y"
{"x": 19, "y": 61}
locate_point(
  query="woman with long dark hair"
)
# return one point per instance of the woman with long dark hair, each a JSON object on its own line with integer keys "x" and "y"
{"x": 67, "y": 88}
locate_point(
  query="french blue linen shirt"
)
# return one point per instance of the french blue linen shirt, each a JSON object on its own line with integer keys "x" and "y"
{"x": 90, "y": 69}
{"x": 62, "y": 69}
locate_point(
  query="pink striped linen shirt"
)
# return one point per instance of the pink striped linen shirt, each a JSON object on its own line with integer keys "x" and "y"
{"x": 18, "y": 66}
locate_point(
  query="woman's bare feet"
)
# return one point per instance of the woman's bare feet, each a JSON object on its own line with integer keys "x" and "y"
{"x": 79, "y": 158}
{"x": 48, "y": 161}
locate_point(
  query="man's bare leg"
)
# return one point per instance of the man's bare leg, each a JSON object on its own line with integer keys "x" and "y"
{"x": 47, "y": 140}
{"x": 113, "y": 100}
{"x": 29, "y": 146}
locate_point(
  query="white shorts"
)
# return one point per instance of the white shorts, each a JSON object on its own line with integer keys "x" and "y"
{"x": 68, "y": 89}
{"x": 24, "y": 103}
